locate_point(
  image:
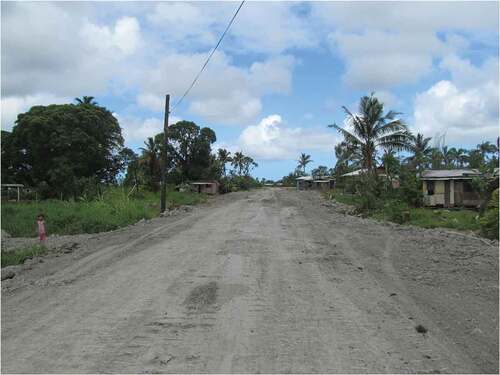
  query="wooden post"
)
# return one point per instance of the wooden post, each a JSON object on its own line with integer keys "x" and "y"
{"x": 18, "y": 195}
{"x": 163, "y": 193}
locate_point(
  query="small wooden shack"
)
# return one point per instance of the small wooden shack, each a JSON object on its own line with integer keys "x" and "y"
{"x": 8, "y": 187}
{"x": 450, "y": 188}
{"x": 206, "y": 187}
{"x": 324, "y": 183}
{"x": 304, "y": 183}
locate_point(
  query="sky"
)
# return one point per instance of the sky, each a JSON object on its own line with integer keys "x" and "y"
{"x": 279, "y": 78}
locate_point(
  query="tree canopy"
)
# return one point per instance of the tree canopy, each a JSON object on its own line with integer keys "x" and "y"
{"x": 55, "y": 146}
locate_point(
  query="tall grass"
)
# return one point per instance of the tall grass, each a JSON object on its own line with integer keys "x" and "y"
{"x": 113, "y": 211}
{"x": 18, "y": 256}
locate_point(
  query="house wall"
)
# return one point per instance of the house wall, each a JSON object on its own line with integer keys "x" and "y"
{"x": 438, "y": 198}
{"x": 211, "y": 188}
{"x": 458, "y": 197}
{"x": 304, "y": 185}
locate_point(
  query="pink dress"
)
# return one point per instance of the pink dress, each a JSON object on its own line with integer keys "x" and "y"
{"x": 41, "y": 230}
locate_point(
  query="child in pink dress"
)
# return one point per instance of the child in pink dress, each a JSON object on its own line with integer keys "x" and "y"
{"x": 42, "y": 235}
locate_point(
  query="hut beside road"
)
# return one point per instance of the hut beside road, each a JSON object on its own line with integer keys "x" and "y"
{"x": 450, "y": 188}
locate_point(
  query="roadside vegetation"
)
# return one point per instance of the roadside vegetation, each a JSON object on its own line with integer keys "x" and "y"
{"x": 79, "y": 174}
{"x": 112, "y": 210}
{"x": 390, "y": 159}
{"x": 12, "y": 258}
{"x": 397, "y": 211}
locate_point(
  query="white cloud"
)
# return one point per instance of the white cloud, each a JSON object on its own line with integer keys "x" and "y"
{"x": 271, "y": 139}
{"x": 389, "y": 45}
{"x": 269, "y": 28}
{"x": 14, "y": 105}
{"x": 237, "y": 108}
{"x": 378, "y": 59}
{"x": 466, "y": 108}
{"x": 408, "y": 15}
{"x": 125, "y": 36}
{"x": 135, "y": 130}
{"x": 225, "y": 93}
{"x": 272, "y": 27}
{"x": 389, "y": 100}
{"x": 51, "y": 47}
{"x": 183, "y": 23}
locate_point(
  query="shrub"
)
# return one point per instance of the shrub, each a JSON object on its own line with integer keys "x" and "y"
{"x": 411, "y": 188}
{"x": 489, "y": 220}
{"x": 397, "y": 212}
{"x": 236, "y": 183}
{"x": 370, "y": 188}
{"x": 18, "y": 256}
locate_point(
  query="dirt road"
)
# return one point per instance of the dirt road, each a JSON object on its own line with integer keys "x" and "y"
{"x": 267, "y": 281}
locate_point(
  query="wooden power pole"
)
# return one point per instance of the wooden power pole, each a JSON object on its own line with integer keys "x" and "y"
{"x": 163, "y": 194}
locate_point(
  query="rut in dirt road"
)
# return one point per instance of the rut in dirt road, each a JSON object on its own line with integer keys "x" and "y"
{"x": 270, "y": 281}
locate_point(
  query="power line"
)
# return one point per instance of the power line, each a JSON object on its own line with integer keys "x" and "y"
{"x": 208, "y": 59}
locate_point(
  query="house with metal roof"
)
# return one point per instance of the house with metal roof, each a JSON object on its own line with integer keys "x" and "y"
{"x": 206, "y": 187}
{"x": 304, "y": 182}
{"x": 450, "y": 188}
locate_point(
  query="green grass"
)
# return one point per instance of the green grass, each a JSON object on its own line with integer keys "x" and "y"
{"x": 18, "y": 256}
{"x": 458, "y": 219}
{"x": 115, "y": 210}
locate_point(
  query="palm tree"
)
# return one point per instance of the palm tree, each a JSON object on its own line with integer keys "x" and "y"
{"x": 224, "y": 158}
{"x": 238, "y": 161}
{"x": 449, "y": 155}
{"x": 372, "y": 129}
{"x": 486, "y": 148}
{"x": 86, "y": 100}
{"x": 436, "y": 158}
{"x": 248, "y": 163}
{"x": 419, "y": 146}
{"x": 151, "y": 156}
{"x": 303, "y": 161}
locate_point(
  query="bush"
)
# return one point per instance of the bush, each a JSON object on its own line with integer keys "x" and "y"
{"x": 411, "y": 188}
{"x": 236, "y": 183}
{"x": 370, "y": 188}
{"x": 489, "y": 220}
{"x": 397, "y": 212}
{"x": 10, "y": 258}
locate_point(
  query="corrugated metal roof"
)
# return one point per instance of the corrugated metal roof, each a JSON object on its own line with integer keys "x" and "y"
{"x": 305, "y": 178}
{"x": 355, "y": 173}
{"x": 450, "y": 173}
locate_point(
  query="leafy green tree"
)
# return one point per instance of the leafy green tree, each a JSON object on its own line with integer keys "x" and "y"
{"x": 321, "y": 171}
{"x": 373, "y": 130}
{"x": 189, "y": 152}
{"x": 476, "y": 159}
{"x": 57, "y": 145}
{"x": 9, "y": 159}
{"x": 303, "y": 161}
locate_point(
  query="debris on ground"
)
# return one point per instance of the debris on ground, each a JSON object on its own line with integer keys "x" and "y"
{"x": 8, "y": 273}
{"x": 421, "y": 329}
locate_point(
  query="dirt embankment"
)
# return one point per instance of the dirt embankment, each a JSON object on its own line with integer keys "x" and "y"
{"x": 266, "y": 281}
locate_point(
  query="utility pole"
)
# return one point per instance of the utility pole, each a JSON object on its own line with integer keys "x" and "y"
{"x": 163, "y": 194}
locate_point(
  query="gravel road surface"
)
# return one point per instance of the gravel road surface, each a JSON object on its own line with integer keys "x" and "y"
{"x": 268, "y": 281}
